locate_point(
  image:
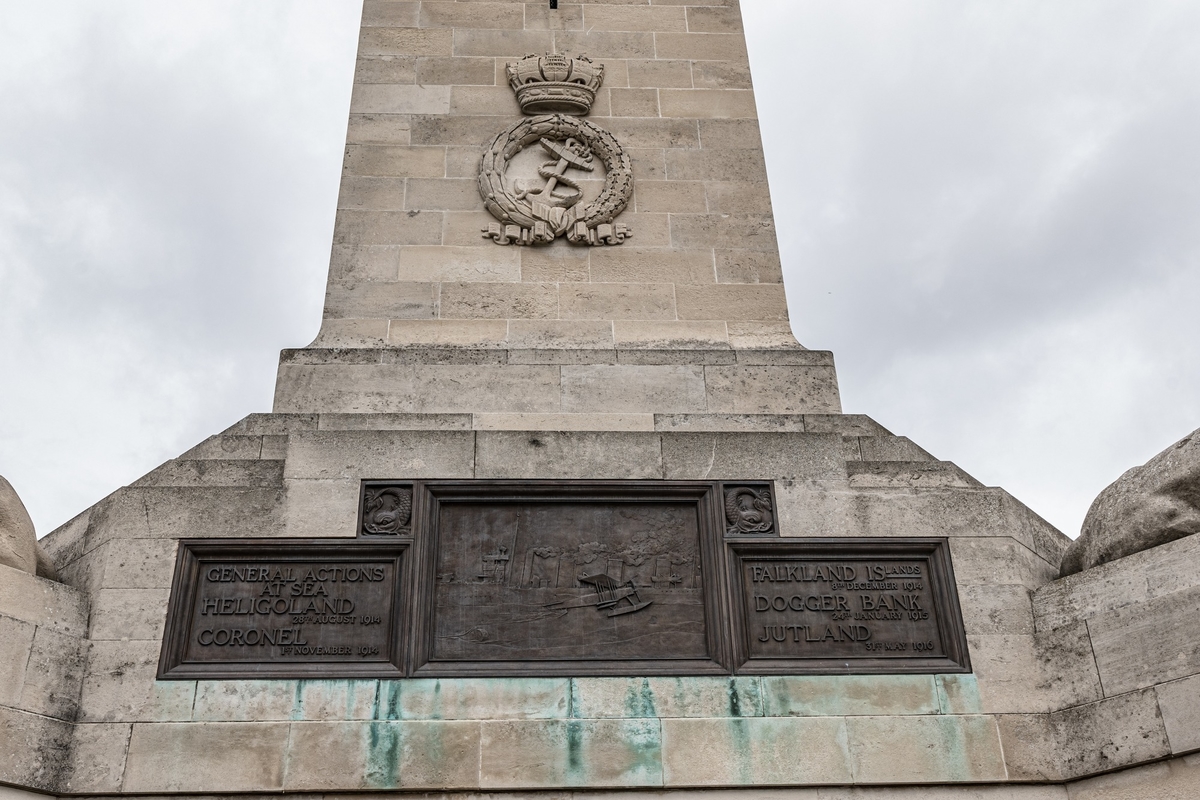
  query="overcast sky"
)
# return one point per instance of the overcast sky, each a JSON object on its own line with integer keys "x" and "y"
{"x": 990, "y": 212}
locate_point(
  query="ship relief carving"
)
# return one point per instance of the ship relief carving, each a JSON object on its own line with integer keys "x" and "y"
{"x": 554, "y": 174}
{"x": 386, "y": 510}
{"x": 749, "y": 510}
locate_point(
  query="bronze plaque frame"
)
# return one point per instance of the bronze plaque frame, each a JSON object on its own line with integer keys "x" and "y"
{"x": 415, "y": 525}
{"x": 934, "y": 553}
{"x": 194, "y": 554}
{"x": 432, "y": 497}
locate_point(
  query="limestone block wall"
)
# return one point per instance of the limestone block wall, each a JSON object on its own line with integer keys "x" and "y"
{"x": 410, "y": 265}
{"x": 614, "y": 389}
{"x": 43, "y": 625}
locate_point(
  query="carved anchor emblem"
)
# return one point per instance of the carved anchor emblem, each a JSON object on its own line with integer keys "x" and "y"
{"x": 571, "y": 153}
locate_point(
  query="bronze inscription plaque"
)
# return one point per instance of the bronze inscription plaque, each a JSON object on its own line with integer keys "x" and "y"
{"x": 865, "y": 605}
{"x": 460, "y": 578}
{"x": 571, "y": 579}
{"x": 280, "y": 608}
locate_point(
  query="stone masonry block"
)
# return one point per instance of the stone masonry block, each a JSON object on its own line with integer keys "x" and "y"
{"x": 573, "y": 454}
{"x": 759, "y": 334}
{"x": 1176, "y": 779}
{"x": 714, "y": 20}
{"x": 355, "y": 227}
{"x": 17, "y": 637}
{"x": 634, "y": 18}
{"x": 1042, "y": 673}
{"x": 849, "y": 695}
{"x": 737, "y": 197}
{"x": 553, "y": 264}
{"x": 206, "y": 757}
{"x": 621, "y": 388}
{"x": 564, "y": 422}
{"x": 764, "y": 301}
{"x": 375, "y": 194}
{"x": 384, "y": 129}
{"x": 502, "y": 43}
{"x": 1179, "y": 705}
{"x": 382, "y": 300}
{"x": 120, "y": 687}
{"x": 42, "y": 602}
{"x": 990, "y": 609}
{"x": 553, "y": 334}
{"x": 701, "y": 46}
{"x": 437, "y": 264}
{"x": 1147, "y": 643}
{"x": 139, "y": 564}
{"x": 211, "y": 472}
{"x": 617, "y": 301}
{"x": 607, "y": 44}
{"x": 1109, "y": 734}
{"x": 665, "y": 698}
{"x": 374, "y": 41}
{"x": 696, "y": 423}
{"x": 1132, "y": 580}
{"x": 557, "y": 753}
{"x": 398, "y": 162}
{"x": 97, "y": 758}
{"x": 34, "y": 750}
{"x": 244, "y": 701}
{"x": 762, "y": 456}
{"x": 684, "y": 336}
{"x": 455, "y": 71}
{"x": 920, "y": 749}
{"x": 385, "y": 69}
{"x": 225, "y": 447}
{"x": 567, "y": 17}
{"x": 771, "y": 390}
{"x": 485, "y": 698}
{"x": 475, "y": 15}
{"x": 54, "y": 674}
{"x": 635, "y": 265}
{"x": 708, "y": 104}
{"x": 388, "y": 98}
{"x": 748, "y": 266}
{"x": 351, "y": 455}
{"x": 721, "y": 74}
{"x": 755, "y": 752}
{"x": 390, "y": 14}
{"x": 732, "y": 231}
{"x": 499, "y": 301}
{"x": 660, "y": 74}
{"x": 476, "y": 100}
{"x": 452, "y": 333}
{"x": 678, "y": 196}
{"x": 322, "y": 508}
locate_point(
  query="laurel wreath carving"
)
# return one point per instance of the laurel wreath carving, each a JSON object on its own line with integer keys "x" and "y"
{"x": 508, "y": 208}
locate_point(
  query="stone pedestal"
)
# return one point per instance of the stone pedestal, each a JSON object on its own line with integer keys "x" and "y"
{"x": 668, "y": 357}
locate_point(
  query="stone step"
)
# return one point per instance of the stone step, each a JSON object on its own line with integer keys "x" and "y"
{"x": 909, "y": 474}
{"x": 215, "y": 472}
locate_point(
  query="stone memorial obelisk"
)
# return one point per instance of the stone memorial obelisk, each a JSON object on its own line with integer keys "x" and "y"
{"x": 556, "y": 502}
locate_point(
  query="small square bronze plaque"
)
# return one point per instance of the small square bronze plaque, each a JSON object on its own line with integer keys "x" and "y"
{"x": 280, "y": 608}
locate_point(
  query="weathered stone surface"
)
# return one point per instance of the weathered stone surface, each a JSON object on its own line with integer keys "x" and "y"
{"x": 18, "y": 541}
{"x": 34, "y": 750}
{"x": 758, "y": 752}
{"x": 925, "y": 749}
{"x": 53, "y": 674}
{"x": 1179, "y": 704}
{"x": 733, "y": 456}
{"x": 1149, "y": 505}
{"x": 1038, "y": 673}
{"x": 1147, "y": 643}
{"x": 554, "y": 753}
{"x": 665, "y": 698}
{"x": 97, "y": 758}
{"x": 485, "y": 698}
{"x": 120, "y": 687}
{"x": 206, "y": 757}
{"x": 42, "y": 602}
{"x": 575, "y": 454}
{"x": 1176, "y": 779}
{"x": 849, "y": 695}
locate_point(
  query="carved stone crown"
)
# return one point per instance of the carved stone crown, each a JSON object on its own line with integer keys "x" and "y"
{"x": 555, "y": 83}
